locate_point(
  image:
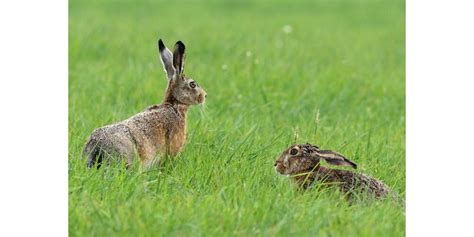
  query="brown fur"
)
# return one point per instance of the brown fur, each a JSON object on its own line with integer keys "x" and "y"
{"x": 160, "y": 129}
{"x": 305, "y": 169}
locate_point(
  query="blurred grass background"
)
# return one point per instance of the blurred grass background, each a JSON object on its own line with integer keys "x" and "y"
{"x": 331, "y": 73}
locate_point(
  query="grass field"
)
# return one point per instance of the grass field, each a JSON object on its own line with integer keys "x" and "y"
{"x": 330, "y": 73}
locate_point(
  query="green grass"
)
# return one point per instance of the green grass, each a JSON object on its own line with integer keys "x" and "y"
{"x": 337, "y": 80}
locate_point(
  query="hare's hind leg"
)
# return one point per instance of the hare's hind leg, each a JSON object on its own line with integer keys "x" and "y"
{"x": 109, "y": 144}
{"x": 112, "y": 154}
{"x": 125, "y": 149}
{"x": 95, "y": 157}
{"x": 150, "y": 163}
{"x": 93, "y": 152}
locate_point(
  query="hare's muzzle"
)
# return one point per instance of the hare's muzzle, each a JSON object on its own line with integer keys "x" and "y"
{"x": 277, "y": 162}
{"x": 202, "y": 97}
{"x": 279, "y": 166}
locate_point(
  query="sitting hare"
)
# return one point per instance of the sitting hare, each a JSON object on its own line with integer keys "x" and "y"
{"x": 160, "y": 129}
{"x": 302, "y": 163}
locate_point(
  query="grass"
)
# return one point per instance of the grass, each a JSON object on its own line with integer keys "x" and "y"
{"x": 336, "y": 80}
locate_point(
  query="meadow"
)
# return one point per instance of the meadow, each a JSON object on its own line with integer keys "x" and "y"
{"x": 331, "y": 73}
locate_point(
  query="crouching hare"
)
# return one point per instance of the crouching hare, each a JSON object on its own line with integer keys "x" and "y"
{"x": 159, "y": 131}
{"x": 302, "y": 164}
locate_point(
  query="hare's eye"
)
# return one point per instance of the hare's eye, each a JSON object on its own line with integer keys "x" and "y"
{"x": 192, "y": 84}
{"x": 293, "y": 152}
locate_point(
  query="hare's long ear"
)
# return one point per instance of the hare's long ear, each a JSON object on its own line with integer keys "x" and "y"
{"x": 178, "y": 57}
{"x": 166, "y": 59}
{"x": 335, "y": 158}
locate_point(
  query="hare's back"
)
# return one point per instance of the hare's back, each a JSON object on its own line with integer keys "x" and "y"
{"x": 113, "y": 132}
{"x": 370, "y": 184}
{"x": 156, "y": 116}
{"x": 350, "y": 181}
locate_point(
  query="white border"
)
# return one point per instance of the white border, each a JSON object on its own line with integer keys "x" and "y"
{"x": 33, "y": 126}
{"x": 440, "y": 106}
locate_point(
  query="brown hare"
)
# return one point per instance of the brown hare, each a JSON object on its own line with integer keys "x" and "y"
{"x": 302, "y": 163}
{"x": 158, "y": 131}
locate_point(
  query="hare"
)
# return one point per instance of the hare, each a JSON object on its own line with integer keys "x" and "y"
{"x": 159, "y": 130}
{"x": 302, "y": 163}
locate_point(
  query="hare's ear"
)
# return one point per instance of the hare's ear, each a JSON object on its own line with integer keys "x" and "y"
{"x": 166, "y": 59}
{"x": 335, "y": 158}
{"x": 178, "y": 57}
